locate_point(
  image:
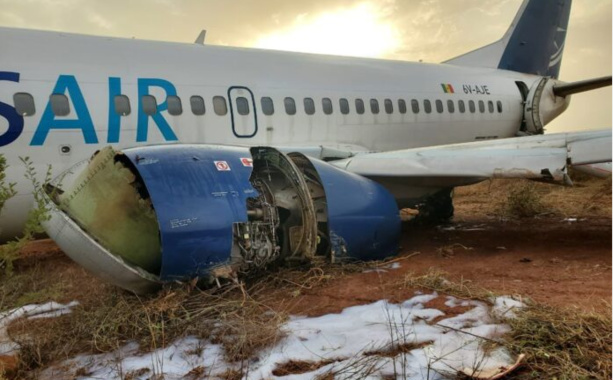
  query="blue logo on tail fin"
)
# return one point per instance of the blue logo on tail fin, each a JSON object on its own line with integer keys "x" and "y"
{"x": 537, "y": 43}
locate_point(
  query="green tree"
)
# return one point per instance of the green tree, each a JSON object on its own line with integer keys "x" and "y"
{"x": 9, "y": 252}
{"x": 7, "y": 190}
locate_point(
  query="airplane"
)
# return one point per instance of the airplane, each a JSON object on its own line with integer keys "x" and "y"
{"x": 235, "y": 157}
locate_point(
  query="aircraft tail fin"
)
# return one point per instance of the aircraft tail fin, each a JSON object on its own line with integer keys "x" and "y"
{"x": 533, "y": 44}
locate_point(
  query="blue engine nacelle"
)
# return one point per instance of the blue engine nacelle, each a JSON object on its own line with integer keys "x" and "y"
{"x": 175, "y": 212}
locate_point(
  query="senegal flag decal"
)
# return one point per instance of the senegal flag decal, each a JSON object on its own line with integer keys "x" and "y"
{"x": 447, "y": 88}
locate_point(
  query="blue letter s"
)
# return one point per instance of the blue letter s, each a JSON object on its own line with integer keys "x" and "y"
{"x": 15, "y": 120}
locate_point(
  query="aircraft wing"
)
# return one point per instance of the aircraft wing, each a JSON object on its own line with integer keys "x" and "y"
{"x": 541, "y": 157}
{"x": 326, "y": 152}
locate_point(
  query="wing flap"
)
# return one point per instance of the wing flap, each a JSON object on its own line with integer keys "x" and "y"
{"x": 590, "y": 151}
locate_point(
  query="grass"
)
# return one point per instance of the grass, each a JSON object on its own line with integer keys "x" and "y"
{"x": 524, "y": 201}
{"x": 9, "y": 252}
{"x": 436, "y": 281}
{"x": 7, "y": 189}
{"x": 30, "y": 284}
{"x": 562, "y": 344}
{"x": 522, "y": 198}
{"x": 238, "y": 316}
{"x": 231, "y": 317}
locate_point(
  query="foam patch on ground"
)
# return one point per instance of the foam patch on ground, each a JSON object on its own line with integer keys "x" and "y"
{"x": 407, "y": 340}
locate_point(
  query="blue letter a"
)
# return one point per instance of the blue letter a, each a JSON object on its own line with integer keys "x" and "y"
{"x": 82, "y": 122}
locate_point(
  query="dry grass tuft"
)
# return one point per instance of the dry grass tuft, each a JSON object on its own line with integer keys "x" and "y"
{"x": 238, "y": 318}
{"x": 297, "y": 367}
{"x": 524, "y": 201}
{"x": 231, "y": 374}
{"x": 435, "y": 280}
{"x": 563, "y": 344}
{"x": 600, "y": 193}
{"x": 398, "y": 349}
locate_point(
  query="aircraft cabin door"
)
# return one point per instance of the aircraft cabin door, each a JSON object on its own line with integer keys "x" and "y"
{"x": 243, "y": 112}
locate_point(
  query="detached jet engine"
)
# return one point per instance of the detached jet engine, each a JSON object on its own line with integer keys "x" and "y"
{"x": 144, "y": 216}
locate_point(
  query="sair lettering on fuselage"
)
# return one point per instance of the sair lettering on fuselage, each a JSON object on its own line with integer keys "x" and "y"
{"x": 68, "y": 86}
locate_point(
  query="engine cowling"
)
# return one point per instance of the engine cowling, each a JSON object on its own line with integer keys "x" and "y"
{"x": 542, "y": 105}
{"x": 148, "y": 215}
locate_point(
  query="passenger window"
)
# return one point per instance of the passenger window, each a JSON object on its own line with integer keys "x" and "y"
{"x": 415, "y": 105}
{"x": 242, "y": 105}
{"x": 268, "y": 106}
{"x": 389, "y": 107}
{"x": 290, "y": 106}
{"x": 59, "y": 104}
{"x": 490, "y": 106}
{"x": 220, "y": 106}
{"x": 309, "y": 106}
{"x": 427, "y": 106}
{"x": 374, "y": 106}
{"x": 150, "y": 106}
{"x": 439, "y": 106}
{"x": 499, "y": 105}
{"x": 344, "y": 103}
{"x": 461, "y": 106}
{"x": 359, "y": 106}
{"x": 197, "y": 104}
{"x": 327, "y": 105}
{"x": 175, "y": 108}
{"x": 481, "y": 106}
{"x": 402, "y": 106}
{"x": 471, "y": 106}
{"x": 450, "y": 106}
{"x": 24, "y": 104}
{"x": 122, "y": 105}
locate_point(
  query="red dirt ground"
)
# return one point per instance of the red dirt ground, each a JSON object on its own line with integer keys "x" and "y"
{"x": 549, "y": 259}
{"x": 562, "y": 258}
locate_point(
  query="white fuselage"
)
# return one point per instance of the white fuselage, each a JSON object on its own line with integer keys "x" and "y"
{"x": 90, "y": 71}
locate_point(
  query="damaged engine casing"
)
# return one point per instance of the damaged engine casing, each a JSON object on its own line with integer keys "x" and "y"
{"x": 147, "y": 215}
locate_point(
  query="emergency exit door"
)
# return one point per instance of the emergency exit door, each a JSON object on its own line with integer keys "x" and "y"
{"x": 243, "y": 112}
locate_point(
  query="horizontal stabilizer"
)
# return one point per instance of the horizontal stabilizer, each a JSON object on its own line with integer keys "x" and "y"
{"x": 581, "y": 86}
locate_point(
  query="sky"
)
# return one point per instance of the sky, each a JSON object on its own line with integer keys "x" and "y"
{"x": 410, "y": 30}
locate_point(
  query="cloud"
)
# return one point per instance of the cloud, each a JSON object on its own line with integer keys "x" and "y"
{"x": 363, "y": 30}
{"x": 100, "y": 21}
